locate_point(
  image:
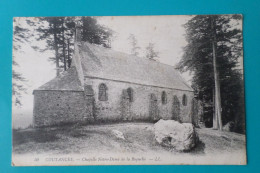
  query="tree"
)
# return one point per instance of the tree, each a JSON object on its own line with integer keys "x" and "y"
{"x": 151, "y": 53}
{"x": 49, "y": 29}
{"x": 17, "y": 86}
{"x": 212, "y": 53}
{"x": 133, "y": 42}
{"x": 95, "y": 33}
{"x": 217, "y": 118}
{"x": 58, "y": 32}
{"x": 20, "y": 36}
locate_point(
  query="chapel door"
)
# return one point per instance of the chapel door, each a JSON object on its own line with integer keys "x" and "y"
{"x": 176, "y": 109}
{"x": 153, "y": 108}
{"x": 125, "y": 103}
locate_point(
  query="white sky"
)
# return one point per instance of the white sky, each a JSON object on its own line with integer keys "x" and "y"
{"x": 166, "y": 32}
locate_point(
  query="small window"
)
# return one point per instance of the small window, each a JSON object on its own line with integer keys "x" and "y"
{"x": 102, "y": 93}
{"x": 184, "y": 100}
{"x": 164, "y": 97}
{"x": 130, "y": 94}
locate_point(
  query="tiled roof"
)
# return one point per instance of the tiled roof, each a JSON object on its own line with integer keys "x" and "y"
{"x": 98, "y": 62}
{"x": 101, "y": 62}
{"x": 68, "y": 80}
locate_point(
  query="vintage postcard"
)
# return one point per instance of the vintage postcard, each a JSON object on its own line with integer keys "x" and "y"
{"x": 128, "y": 90}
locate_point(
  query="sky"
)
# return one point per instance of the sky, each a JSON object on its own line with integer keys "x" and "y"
{"x": 165, "y": 32}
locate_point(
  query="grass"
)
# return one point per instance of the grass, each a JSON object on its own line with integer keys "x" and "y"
{"x": 139, "y": 138}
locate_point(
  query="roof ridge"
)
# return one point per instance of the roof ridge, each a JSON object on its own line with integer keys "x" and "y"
{"x": 142, "y": 58}
{"x": 146, "y": 59}
{"x": 130, "y": 67}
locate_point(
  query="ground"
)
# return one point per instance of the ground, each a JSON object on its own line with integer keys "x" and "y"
{"x": 139, "y": 138}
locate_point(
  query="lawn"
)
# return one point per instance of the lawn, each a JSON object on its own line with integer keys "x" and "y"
{"x": 139, "y": 139}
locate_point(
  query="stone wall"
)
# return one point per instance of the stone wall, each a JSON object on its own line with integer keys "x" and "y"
{"x": 56, "y": 107}
{"x": 114, "y": 107}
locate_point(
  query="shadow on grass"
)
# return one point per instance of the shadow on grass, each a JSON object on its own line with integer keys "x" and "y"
{"x": 51, "y": 134}
{"x": 198, "y": 149}
{"x": 35, "y": 135}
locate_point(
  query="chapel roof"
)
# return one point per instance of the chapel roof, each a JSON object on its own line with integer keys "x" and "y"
{"x": 67, "y": 80}
{"x": 105, "y": 63}
{"x": 95, "y": 61}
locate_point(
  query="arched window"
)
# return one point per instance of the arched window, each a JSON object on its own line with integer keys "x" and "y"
{"x": 102, "y": 92}
{"x": 184, "y": 100}
{"x": 130, "y": 94}
{"x": 164, "y": 97}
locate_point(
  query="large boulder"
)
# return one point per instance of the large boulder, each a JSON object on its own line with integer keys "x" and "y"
{"x": 180, "y": 136}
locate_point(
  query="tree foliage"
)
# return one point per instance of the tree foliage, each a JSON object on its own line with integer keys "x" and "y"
{"x": 198, "y": 59}
{"x": 18, "y": 81}
{"x": 58, "y": 32}
{"x": 151, "y": 53}
{"x": 95, "y": 33}
{"x": 135, "y": 48}
{"x": 56, "y": 35}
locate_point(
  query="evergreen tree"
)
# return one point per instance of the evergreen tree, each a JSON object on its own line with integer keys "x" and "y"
{"x": 151, "y": 53}
{"x": 20, "y": 36}
{"x": 95, "y": 33}
{"x": 59, "y": 35}
{"x": 135, "y": 48}
{"x": 214, "y": 46}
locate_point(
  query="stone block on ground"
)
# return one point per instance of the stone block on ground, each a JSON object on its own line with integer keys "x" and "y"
{"x": 180, "y": 136}
{"x": 118, "y": 134}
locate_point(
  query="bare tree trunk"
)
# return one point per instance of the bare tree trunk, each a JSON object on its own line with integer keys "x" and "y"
{"x": 215, "y": 125}
{"x": 56, "y": 51}
{"x": 68, "y": 49}
{"x": 218, "y": 116}
{"x": 63, "y": 48}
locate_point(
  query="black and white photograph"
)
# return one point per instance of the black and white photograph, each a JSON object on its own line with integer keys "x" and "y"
{"x": 128, "y": 90}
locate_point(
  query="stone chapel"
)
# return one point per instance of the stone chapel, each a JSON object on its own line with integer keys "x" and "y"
{"x": 103, "y": 85}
